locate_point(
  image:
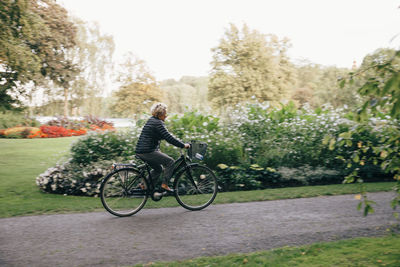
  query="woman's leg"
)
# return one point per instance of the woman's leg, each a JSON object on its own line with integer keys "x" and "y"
{"x": 157, "y": 159}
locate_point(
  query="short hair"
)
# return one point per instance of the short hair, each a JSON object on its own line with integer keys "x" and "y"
{"x": 158, "y": 109}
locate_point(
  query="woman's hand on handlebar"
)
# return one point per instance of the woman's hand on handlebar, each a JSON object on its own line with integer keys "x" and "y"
{"x": 187, "y": 146}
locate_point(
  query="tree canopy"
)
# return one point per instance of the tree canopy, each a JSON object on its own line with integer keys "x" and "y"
{"x": 247, "y": 64}
{"x": 139, "y": 88}
{"x": 34, "y": 38}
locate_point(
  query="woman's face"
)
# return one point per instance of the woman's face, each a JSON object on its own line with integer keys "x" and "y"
{"x": 164, "y": 116}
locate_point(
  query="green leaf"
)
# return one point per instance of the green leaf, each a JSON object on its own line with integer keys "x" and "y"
{"x": 342, "y": 83}
{"x": 345, "y": 135}
{"x": 326, "y": 139}
{"x": 332, "y": 144}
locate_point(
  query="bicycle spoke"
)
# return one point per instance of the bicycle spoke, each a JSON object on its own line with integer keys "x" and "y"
{"x": 196, "y": 188}
{"x": 123, "y": 192}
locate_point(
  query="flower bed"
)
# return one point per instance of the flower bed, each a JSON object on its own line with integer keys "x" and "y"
{"x": 60, "y": 127}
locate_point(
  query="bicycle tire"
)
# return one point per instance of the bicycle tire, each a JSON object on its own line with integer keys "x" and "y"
{"x": 194, "y": 197}
{"x": 124, "y": 192}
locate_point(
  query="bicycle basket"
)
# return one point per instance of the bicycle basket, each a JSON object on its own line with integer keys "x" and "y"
{"x": 197, "y": 150}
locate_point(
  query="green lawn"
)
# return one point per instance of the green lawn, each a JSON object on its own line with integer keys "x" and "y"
{"x": 21, "y": 161}
{"x": 362, "y": 252}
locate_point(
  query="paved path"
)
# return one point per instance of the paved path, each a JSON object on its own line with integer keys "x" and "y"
{"x": 100, "y": 239}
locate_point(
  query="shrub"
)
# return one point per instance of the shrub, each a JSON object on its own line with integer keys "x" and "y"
{"x": 12, "y": 119}
{"x": 287, "y": 137}
{"x": 293, "y": 143}
{"x": 233, "y": 178}
{"x": 74, "y": 179}
{"x": 104, "y": 146}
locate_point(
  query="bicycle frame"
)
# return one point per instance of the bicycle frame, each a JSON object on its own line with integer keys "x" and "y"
{"x": 125, "y": 187}
{"x": 180, "y": 165}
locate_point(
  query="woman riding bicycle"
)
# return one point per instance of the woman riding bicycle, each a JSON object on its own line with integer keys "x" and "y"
{"x": 148, "y": 145}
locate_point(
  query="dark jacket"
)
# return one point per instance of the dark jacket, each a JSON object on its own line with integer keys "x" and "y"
{"x": 152, "y": 133}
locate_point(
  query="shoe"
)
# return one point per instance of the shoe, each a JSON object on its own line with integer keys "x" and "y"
{"x": 166, "y": 188}
{"x": 141, "y": 185}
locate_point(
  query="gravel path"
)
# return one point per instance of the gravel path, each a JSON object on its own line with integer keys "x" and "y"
{"x": 100, "y": 239}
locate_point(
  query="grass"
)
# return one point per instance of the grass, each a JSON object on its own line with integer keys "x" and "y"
{"x": 380, "y": 251}
{"x": 22, "y": 160}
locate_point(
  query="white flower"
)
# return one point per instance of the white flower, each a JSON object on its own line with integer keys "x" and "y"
{"x": 53, "y": 187}
{"x": 205, "y": 124}
{"x": 84, "y": 190}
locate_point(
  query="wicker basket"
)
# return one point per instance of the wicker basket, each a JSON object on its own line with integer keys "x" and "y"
{"x": 197, "y": 150}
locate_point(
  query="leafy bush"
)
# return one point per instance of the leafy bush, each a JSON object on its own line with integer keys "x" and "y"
{"x": 74, "y": 179}
{"x": 233, "y": 178}
{"x": 287, "y": 137}
{"x": 12, "y": 119}
{"x": 364, "y": 148}
{"x": 104, "y": 146}
{"x": 256, "y": 147}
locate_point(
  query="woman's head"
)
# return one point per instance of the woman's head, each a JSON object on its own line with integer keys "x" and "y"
{"x": 159, "y": 110}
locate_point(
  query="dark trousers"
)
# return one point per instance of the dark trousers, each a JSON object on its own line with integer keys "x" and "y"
{"x": 157, "y": 160}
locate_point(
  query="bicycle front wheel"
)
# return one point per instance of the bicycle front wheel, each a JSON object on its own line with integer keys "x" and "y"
{"x": 124, "y": 192}
{"x": 196, "y": 187}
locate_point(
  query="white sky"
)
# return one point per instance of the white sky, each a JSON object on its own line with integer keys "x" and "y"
{"x": 174, "y": 37}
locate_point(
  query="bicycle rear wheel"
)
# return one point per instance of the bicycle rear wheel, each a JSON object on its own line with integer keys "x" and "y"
{"x": 196, "y": 187}
{"x": 124, "y": 192}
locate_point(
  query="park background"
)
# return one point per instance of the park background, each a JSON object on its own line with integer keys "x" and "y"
{"x": 272, "y": 118}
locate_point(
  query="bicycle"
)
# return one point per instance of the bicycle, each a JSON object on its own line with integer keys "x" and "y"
{"x": 125, "y": 190}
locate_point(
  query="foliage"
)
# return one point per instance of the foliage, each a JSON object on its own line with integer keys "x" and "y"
{"x": 94, "y": 53}
{"x": 233, "y": 178}
{"x": 60, "y": 127}
{"x": 139, "y": 89}
{"x": 12, "y": 119}
{"x": 135, "y": 98}
{"x": 223, "y": 145}
{"x": 104, "y": 146}
{"x": 253, "y": 141}
{"x": 286, "y": 136}
{"x": 20, "y": 30}
{"x": 20, "y": 132}
{"x": 249, "y": 64}
{"x": 189, "y": 91}
{"x": 380, "y": 77}
{"x": 318, "y": 85}
{"x": 74, "y": 179}
{"x": 35, "y": 36}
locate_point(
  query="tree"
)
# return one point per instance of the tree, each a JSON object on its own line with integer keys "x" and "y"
{"x": 249, "y": 64}
{"x": 136, "y": 98}
{"x": 189, "y": 92}
{"x": 94, "y": 55}
{"x": 34, "y": 38}
{"x": 54, "y": 46}
{"x": 139, "y": 89}
{"x": 20, "y": 29}
{"x": 319, "y": 85}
